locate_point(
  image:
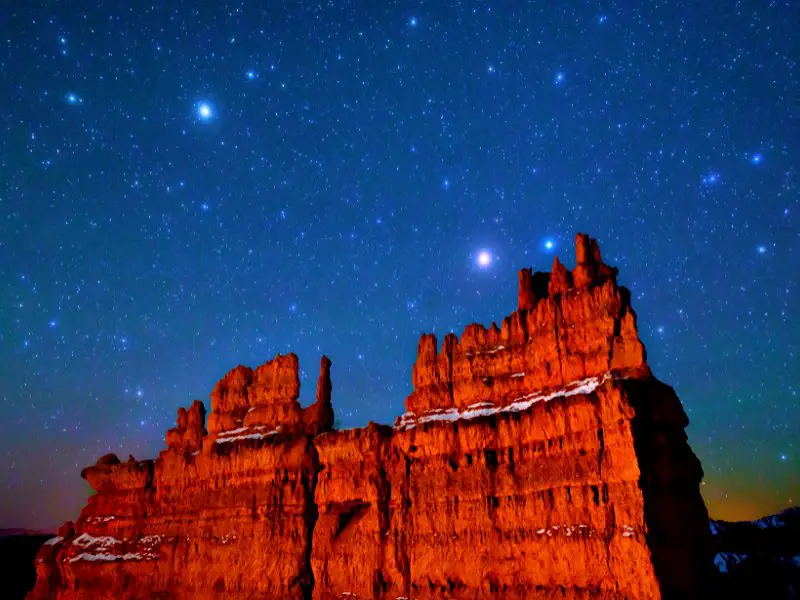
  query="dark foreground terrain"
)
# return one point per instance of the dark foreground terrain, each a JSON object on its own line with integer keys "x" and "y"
{"x": 759, "y": 559}
{"x": 17, "y": 551}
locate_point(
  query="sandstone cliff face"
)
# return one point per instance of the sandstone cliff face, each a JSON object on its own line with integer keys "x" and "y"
{"x": 538, "y": 459}
{"x": 224, "y": 514}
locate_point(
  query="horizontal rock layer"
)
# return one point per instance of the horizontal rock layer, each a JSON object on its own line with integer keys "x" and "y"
{"x": 539, "y": 459}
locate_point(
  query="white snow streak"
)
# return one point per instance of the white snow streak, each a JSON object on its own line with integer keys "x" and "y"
{"x": 585, "y": 386}
{"x": 86, "y": 541}
{"x": 491, "y": 351}
{"x": 245, "y": 433}
{"x": 105, "y": 557}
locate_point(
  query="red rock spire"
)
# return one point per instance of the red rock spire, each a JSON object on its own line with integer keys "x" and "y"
{"x": 590, "y": 268}
{"x": 190, "y": 430}
{"x": 319, "y": 417}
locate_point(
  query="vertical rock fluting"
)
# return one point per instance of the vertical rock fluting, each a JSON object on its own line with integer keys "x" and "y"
{"x": 536, "y": 459}
{"x": 224, "y": 514}
{"x": 353, "y": 548}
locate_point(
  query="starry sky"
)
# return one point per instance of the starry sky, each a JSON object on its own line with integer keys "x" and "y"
{"x": 188, "y": 186}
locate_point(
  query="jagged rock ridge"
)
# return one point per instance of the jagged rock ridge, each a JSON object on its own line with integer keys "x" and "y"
{"x": 538, "y": 459}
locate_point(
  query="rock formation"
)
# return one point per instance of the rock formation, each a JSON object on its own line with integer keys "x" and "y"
{"x": 537, "y": 459}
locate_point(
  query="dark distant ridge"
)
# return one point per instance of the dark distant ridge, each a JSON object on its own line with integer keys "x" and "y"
{"x": 21, "y": 531}
{"x": 789, "y": 517}
{"x": 760, "y": 558}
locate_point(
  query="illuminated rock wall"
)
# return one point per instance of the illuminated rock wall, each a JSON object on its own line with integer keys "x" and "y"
{"x": 538, "y": 459}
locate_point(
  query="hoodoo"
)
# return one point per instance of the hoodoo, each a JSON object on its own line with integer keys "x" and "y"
{"x": 537, "y": 459}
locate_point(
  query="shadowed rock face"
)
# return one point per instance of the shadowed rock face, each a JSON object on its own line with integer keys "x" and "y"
{"x": 537, "y": 459}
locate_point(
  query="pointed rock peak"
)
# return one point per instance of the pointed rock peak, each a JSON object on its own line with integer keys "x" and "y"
{"x": 590, "y": 268}
{"x": 196, "y": 414}
{"x": 231, "y": 390}
{"x": 449, "y": 344}
{"x": 583, "y": 249}
{"x": 525, "y": 296}
{"x": 560, "y": 279}
{"x": 183, "y": 418}
{"x": 427, "y": 345}
{"x": 424, "y": 370}
{"x": 318, "y": 418}
{"x": 532, "y": 288}
{"x": 190, "y": 430}
{"x": 67, "y": 530}
{"x": 324, "y": 381}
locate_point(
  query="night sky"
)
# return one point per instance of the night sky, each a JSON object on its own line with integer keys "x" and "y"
{"x": 192, "y": 185}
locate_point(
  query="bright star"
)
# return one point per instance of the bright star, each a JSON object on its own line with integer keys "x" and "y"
{"x": 756, "y": 158}
{"x": 484, "y": 259}
{"x": 602, "y": 19}
{"x": 559, "y": 78}
{"x": 784, "y": 457}
{"x": 549, "y": 244}
{"x": 412, "y": 21}
{"x": 204, "y": 111}
{"x": 711, "y": 179}
{"x": 73, "y": 99}
{"x": 762, "y": 249}
{"x": 251, "y": 75}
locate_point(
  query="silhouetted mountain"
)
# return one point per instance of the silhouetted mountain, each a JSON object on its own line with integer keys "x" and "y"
{"x": 759, "y": 559}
